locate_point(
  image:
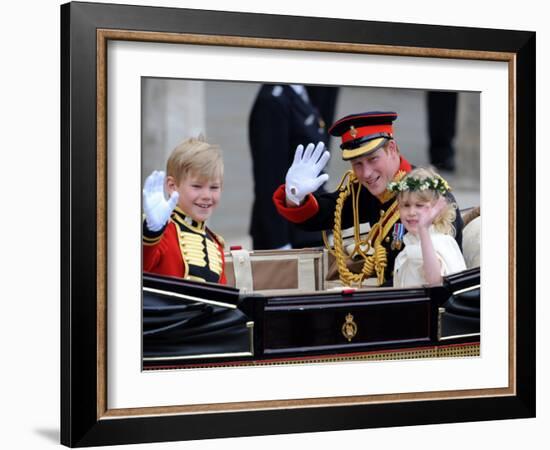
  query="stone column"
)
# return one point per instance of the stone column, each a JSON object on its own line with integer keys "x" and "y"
{"x": 172, "y": 111}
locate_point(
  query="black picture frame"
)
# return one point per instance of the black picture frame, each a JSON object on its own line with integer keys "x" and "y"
{"x": 85, "y": 418}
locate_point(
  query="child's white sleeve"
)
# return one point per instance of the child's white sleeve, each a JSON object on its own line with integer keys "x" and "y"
{"x": 449, "y": 255}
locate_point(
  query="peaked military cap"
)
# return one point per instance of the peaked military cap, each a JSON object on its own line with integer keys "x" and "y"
{"x": 363, "y": 133}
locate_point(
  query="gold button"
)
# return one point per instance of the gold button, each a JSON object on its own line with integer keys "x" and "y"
{"x": 387, "y": 239}
{"x": 382, "y": 212}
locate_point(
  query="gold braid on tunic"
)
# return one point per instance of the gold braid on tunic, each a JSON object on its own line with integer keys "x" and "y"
{"x": 376, "y": 262}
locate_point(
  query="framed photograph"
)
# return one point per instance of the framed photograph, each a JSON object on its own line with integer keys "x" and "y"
{"x": 259, "y": 126}
{"x": 121, "y": 66}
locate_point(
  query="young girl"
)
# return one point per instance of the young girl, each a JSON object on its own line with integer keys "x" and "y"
{"x": 430, "y": 249}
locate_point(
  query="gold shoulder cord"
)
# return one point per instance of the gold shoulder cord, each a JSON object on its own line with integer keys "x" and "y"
{"x": 374, "y": 263}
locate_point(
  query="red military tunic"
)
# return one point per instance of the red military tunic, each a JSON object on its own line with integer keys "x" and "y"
{"x": 184, "y": 248}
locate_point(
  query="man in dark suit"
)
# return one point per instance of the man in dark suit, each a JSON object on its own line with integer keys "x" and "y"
{"x": 442, "y": 107}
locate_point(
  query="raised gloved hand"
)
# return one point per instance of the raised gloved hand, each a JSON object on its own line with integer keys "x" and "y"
{"x": 303, "y": 176}
{"x": 157, "y": 209}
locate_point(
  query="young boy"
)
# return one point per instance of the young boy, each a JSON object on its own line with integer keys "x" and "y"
{"x": 176, "y": 241}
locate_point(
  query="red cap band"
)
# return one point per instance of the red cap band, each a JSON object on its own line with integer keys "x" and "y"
{"x": 357, "y": 133}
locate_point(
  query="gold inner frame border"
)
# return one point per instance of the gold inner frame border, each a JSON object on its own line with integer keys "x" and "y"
{"x": 103, "y": 36}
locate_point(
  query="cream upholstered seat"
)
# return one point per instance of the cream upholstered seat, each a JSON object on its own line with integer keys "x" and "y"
{"x": 471, "y": 242}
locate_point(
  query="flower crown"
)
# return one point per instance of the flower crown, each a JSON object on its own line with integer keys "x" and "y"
{"x": 435, "y": 183}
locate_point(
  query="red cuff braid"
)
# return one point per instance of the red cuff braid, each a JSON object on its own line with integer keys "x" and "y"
{"x": 296, "y": 214}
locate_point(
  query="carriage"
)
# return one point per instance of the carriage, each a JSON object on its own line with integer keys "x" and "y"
{"x": 284, "y": 307}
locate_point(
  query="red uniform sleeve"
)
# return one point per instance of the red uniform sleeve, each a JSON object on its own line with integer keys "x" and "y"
{"x": 296, "y": 214}
{"x": 161, "y": 253}
{"x": 153, "y": 247}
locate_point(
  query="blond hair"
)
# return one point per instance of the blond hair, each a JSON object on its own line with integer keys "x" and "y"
{"x": 443, "y": 223}
{"x": 195, "y": 157}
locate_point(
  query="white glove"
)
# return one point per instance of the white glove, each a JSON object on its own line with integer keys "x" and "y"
{"x": 157, "y": 209}
{"x": 303, "y": 176}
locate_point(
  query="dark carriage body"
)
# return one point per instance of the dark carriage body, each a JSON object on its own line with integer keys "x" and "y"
{"x": 191, "y": 324}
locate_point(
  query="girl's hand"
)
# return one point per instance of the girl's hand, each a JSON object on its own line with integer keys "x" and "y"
{"x": 427, "y": 215}
{"x": 430, "y": 261}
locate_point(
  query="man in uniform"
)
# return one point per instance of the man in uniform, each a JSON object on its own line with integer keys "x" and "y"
{"x": 281, "y": 118}
{"x": 368, "y": 143}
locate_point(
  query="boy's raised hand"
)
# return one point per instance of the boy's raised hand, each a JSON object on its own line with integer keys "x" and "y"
{"x": 303, "y": 176}
{"x": 157, "y": 209}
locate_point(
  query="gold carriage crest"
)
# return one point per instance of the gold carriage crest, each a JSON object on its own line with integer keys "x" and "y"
{"x": 349, "y": 329}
